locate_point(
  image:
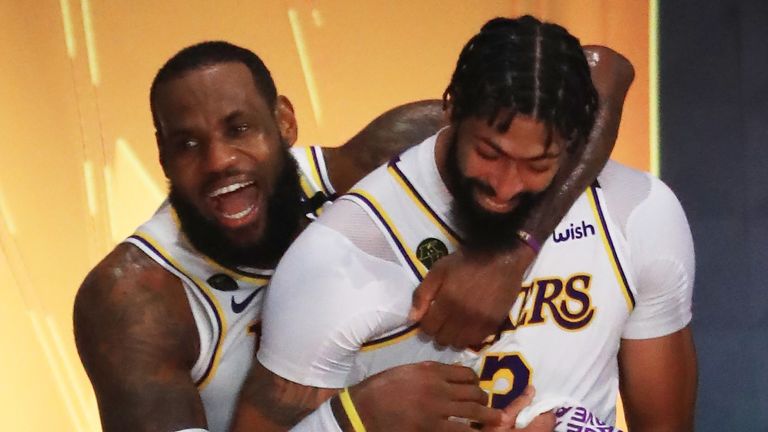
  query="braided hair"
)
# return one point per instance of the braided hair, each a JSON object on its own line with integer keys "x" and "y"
{"x": 524, "y": 66}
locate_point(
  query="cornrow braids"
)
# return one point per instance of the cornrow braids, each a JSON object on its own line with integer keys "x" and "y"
{"x": 524, "y": 66}
{"x": 211, "y": 53}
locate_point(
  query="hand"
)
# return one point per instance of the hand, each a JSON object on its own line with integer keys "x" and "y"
{"x": 422, "y": 397}
{"x": 544, "y": 422}
{"x": 466, "y": 296}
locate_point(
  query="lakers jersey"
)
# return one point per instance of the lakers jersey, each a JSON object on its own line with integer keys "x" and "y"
{"x": 316, "y": 187}
{"x": 225, "y": 302}
{"x": 562, "y": 335}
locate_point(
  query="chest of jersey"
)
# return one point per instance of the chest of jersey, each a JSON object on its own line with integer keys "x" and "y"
{"x": 563, "y": 333}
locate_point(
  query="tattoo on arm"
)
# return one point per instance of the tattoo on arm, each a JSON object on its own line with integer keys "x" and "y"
{"x": 270, "y": 403}
{"x": 137, "y": 341}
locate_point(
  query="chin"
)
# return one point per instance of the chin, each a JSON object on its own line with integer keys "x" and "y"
{"x": 245, "y": 237}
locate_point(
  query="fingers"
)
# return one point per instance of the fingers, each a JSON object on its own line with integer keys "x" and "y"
{"x": 513, "y": 409}
{"x": 434, "y": 318}
{"x": 456, "y": 374}
{"x": 544, "y": 422}
{"x": 475, "y": 412}
{"x": 425, "y": 293}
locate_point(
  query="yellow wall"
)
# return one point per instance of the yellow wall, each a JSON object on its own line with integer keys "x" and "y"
{"x": 78, "y": 165}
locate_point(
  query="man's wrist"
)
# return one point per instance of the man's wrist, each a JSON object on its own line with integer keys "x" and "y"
{"x": 529, "y": 240}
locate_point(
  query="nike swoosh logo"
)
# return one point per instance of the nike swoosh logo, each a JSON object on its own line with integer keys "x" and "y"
{"x": 238, "y": 307}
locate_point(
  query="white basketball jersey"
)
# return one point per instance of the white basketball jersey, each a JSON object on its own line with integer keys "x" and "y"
{"x": 226, "y": 303}
{"x": 315, "y": 182}
{"x": 563, "y": 332}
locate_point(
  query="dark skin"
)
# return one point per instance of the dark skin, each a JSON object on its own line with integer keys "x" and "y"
{"x": 128, "y": 303}
{"x": 134, "y": 329}
{"x": 446, "y": 302}
{"x": 457, "y": 316}
{"x": 138, "y": 341}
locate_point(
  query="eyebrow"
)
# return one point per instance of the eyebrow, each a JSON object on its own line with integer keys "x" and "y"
{"x": 233, "y": 115}
{"x": 497, "y": 147}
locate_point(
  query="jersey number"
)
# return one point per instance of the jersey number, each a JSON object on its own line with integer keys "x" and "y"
{"x": 504, "y": 376}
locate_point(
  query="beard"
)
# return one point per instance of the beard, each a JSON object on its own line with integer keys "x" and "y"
{"x": 481, "y": 229}
{"x": 284, "y": 214}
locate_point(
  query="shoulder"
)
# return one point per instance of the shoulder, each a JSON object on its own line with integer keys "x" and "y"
{"x": 639, "y": 200}
{"x": 129, "y": 302}
{"x": 327, "y": 298}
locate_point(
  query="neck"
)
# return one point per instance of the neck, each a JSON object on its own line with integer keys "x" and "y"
{"x": 442, "y": 145}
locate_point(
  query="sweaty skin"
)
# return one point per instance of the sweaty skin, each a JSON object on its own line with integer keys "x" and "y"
{"x": 458, "y": 316}
{"x": 135, "y": 332}
{"x": 446, "y": 303}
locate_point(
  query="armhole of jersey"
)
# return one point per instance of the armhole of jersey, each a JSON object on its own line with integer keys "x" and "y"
{"x": 318, "y": 160}
{"x": 610, "y": 247}
{"x": 200, "y": 302}
{"x": 406, "y": 256}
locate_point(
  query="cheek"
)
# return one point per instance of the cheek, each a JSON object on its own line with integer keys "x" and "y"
{"x": 471, "y": 165}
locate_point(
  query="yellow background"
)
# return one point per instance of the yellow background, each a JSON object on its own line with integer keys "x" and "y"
{"x": 78, "y": 166}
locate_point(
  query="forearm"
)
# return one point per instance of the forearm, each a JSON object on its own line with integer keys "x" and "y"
{"x": 612, "y": 75}
{"x": 268, "y": 402}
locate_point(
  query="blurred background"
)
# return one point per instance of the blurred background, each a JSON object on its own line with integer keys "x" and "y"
{"x": 79, "y": 170}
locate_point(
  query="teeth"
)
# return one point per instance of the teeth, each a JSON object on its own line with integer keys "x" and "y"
{"x": 229, "y": 188}
{"x": 240, "y": 214}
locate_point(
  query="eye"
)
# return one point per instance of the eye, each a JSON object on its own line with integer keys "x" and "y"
{"x": 239, "y": 129}
{"x": 486, "y": 152}
{"x": 189, "y": 143}
{"x": 539, "y": 167}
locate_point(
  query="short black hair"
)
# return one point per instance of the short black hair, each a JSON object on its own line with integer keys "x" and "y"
{"x": 528, "y": 67}
{"x": 211, "y": 53}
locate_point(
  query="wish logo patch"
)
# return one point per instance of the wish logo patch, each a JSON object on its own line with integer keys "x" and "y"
{"x": 574, "y": 232}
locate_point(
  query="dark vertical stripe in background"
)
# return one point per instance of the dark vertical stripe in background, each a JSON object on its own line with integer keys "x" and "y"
{"x": 714, "y": 155}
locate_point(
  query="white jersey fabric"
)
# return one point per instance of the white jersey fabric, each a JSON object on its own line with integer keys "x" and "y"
{"x": 316, "y": 187}
{"x": 225, "y": 303}
{"x": 619, "y": 265}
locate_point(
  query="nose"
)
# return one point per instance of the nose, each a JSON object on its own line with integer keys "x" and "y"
{"x": 506, "y": 182}
{"x": 219, "y": 155}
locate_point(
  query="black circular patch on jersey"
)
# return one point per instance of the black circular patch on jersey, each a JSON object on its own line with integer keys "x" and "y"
{"x": 222, "y": 282}
{"x": 430, "y": 250}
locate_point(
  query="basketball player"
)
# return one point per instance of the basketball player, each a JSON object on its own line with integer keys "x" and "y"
{"x": 165, "y": 324}
{"x": 606, "y": 303}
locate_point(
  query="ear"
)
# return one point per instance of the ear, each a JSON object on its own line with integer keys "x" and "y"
{"x": 286, "y": 120}
{"x": 448, "y": 111}
{"x": 160, "y": 152}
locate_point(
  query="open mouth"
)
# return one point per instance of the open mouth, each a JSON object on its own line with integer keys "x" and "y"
{"x": 236, "y": 204}
{"x": 492, "y": 205}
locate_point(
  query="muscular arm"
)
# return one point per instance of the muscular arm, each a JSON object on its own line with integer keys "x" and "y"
{"x": 415, "y": 397}
{"x": 611, "y": 75}
{"x": 137, "y": 340}
{"x": 385, "y": 136}
{"x": 270, "y": 403}
{"x": 458, "y": 316}
{"x": 658, "y": 382}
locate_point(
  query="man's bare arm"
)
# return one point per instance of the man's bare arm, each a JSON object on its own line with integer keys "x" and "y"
{"x": 446, "y": 302}
{"x": 415, "y": 397}
{"x": 612, "y": 75}
{"x": 138, "y": 342}
{"x": 390, "y": 133}
{"x": 658, "y": 382}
